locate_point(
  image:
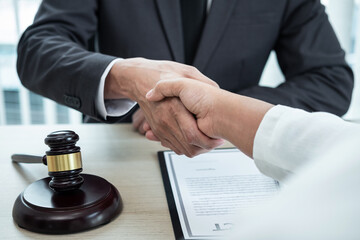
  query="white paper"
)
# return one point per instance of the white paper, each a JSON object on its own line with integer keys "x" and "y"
{"x": 210, "y": 188}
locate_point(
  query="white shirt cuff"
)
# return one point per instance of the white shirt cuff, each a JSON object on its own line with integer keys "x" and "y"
{"x": 111, "y": 108}
{"x": 288, "y": 138}
{"x": 264, "y": 153}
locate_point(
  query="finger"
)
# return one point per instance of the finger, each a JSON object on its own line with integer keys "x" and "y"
{"x": 206, "y": 142}
{"x": 177, "y": 140}
{"x": 168, "y": 145}
{"x": 171, "y": 143}
{"x": 197, "y": 151}
{"x": 146, "y": 126}
{"x": 141, "y": 128}
{"x": 165, "y": 88}
{"x": 137, "y": 119}
{"x": 151, "y": 136}
{"x": 182, "y": 140}
{"x": 198, "y": 141}
{"x": 164, "y": 129}
{"x": 198, "y": 138}
{"x": 165, "y": 143}
{"x": 173, "y": 135}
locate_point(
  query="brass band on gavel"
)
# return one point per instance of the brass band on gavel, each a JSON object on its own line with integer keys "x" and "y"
{"x": 65, "y": 162}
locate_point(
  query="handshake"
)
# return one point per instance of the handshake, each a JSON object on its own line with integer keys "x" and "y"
{"x": 183, "y": 109}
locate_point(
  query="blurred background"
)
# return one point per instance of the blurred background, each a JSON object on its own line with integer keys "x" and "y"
{"x": 20, "y": 106}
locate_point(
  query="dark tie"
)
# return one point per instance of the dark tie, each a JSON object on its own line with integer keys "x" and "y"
{"x": 193, "y": 13}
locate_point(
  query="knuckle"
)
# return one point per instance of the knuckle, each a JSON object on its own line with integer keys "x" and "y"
{"x": 176, "y": 151}
{"x": 163, "y": 122}
{"x": 208, "y": 147}
{"x": 188, "y": 155}
{"x": 189, "y": 136}
{"x": 192, "y": 70}
{"x": 160, "y": 118}
{"x": 215, "y": 84}
{"x": 156, "y": 131}
{"x": 166, "y": 146}
{"x": 193, "y": 152}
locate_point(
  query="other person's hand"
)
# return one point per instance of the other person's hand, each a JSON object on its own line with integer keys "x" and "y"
{"x": 200, "y": 99}
{"x": 169, "y": 121}
{"x": 141, "y": 125}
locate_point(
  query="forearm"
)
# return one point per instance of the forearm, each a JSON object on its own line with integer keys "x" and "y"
{"x": 237, "y": 119}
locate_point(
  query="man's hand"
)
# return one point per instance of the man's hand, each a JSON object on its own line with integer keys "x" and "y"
{"x": 200, "y": 99}
{"x": 134, "y": 77}
{"x": 139, "y": 122}
{"x": 185, "y": 129}
{"x": 167, "y": 121}
{"x": 190, "y": 132}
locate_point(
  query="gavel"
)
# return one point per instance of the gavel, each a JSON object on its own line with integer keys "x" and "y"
{"x": 63, "y": 160}
{"x": 66, "y": 201}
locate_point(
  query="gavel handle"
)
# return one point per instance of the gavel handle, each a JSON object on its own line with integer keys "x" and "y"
{"x": 23, "y": 158}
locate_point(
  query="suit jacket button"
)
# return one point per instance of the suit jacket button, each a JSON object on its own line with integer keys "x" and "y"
{"x": 72, "y": 101}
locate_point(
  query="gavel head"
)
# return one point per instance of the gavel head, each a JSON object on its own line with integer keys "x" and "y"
{"x": 64, "y": 161}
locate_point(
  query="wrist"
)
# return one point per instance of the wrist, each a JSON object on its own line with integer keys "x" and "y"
{"x": 243, "y": 117}
{"x": 119, "y": 82}
{"x": 222, "y": 114}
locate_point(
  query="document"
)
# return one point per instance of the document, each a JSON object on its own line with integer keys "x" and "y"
{"x": 206, "y": 191}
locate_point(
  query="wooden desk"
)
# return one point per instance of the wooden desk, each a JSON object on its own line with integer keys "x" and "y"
{"x": 114, "y": 152}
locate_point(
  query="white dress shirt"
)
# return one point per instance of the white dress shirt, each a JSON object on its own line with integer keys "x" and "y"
{"x": 317, "y": 157}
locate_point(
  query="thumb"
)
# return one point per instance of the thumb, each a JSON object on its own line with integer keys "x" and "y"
{"x": 163, "y": 89}
{"x": 153, "y": 97}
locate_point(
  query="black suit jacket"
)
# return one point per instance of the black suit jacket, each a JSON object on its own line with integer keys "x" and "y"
{"x": 55, "y": 60}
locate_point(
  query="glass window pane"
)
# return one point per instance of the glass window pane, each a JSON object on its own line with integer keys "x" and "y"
{"x": 12, "y": 107}
{"x": 8, "y": 76}
{"x": 36, "y": 109}
{"x": 62, "y": 114}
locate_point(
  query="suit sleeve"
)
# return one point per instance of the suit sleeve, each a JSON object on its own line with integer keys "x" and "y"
{"x": 53, "y": 59}
{"x": 312, "y": 61}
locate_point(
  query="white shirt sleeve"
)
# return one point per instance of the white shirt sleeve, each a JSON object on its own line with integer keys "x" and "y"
{"x": 111, "y": 108}
{"x": 287, "y": 138}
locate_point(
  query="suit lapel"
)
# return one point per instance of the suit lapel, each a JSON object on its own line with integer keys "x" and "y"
{"x": 170, "y": 14}
{"x": 215, "y": 25}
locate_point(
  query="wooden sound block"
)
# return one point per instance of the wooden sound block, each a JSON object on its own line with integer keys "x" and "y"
{"x": 40, "y": 209}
